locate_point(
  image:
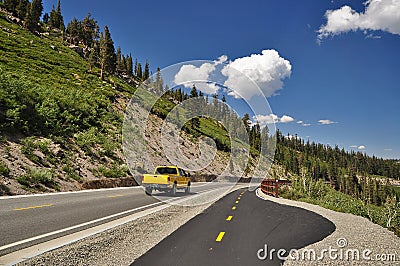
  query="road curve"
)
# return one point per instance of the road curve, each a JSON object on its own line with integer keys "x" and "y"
{"x": 234, "y": 229}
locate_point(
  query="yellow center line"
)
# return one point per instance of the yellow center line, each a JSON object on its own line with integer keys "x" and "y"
{"x": 220, "y": 236}
{"x": 33, "y": 207}
{"x": 234, "y": 208}
{"x": 229, "y": 218}
{"x": 115, "y": 196}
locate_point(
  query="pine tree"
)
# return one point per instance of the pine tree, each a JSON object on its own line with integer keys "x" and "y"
{"x": 94, "y": 56}
{"x": 193, "y": 92}
{"x": 129, "y": 65}
{"x": 46, "y": 18}
{"x": 56, "y": 19}
{"x": 139, "y": 74}
{"x": 107, "y": 53}
{"x": 159, "y": 81}
{"x": 246, "y": 121}
{"x": 90, "y": 30}
{"x": 33, "y": 15}
{"x": 11, "y": 6}
{"x": 22, "y": 8}
{"x": 52, "y": 17}
{"x": 119, "y": 60}
{"x": 73, "y": 30}
{"x": 135, "y": 68}
{"x": 60, "y": 19}
{"x": 146, "y": 73}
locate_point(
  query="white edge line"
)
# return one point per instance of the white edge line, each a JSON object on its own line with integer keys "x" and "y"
{"x": 82, "y": 191}
{"x": 33, "y": 251}
{"x": 75, "y": 226}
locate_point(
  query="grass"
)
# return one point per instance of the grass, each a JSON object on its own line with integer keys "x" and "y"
{"x": 318, "y": 193}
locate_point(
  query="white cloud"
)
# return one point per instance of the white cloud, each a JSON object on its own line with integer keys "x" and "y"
{"x": 300, "y": 122}
{"x": 267, "y": 70}
{"x": 286, "y": 119}
{"x": 361, "y": 147}
{"x": 306, "y": 125}
{"x": 222, "y": 59}
{"x": 326, "y": 122}
{"x": 191, "y": 73}
{"x": 353, "y": 146}
{"x": 266, "y": 119}
{"x": 272, "y": 118}
{"x": 388, "y": 149}
{"x": 381, "y": 15}
{"x": 210, "y": 88}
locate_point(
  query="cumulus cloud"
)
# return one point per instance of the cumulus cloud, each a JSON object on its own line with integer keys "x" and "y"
{"x": 286, "y": 119}
{"x": 361, "y": 147}
{"x": 381, "y": 15}
{"x": 272, "y": 118}
{"x": 300, "y": 122}
{"x": 267, "y": 70}
{"x": 326, "y": 122}
{"x": 189, "y": 74}
{"x": 241, "y": 76}
{"x": 306, "y": 125}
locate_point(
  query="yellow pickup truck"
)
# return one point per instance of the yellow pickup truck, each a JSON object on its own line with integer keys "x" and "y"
{"x": 167, "y": 179}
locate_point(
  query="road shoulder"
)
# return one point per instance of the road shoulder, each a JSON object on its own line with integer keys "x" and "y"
{"x": 360, "y": 234}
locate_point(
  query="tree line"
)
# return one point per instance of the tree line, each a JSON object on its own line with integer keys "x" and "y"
{"x": 353, "y": 173}
{"x": 99, "y": 45}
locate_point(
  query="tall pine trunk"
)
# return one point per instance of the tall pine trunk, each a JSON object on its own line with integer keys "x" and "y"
{"x": 102, "y": 71}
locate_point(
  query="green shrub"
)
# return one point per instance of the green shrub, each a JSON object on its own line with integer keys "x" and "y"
{"x": 4, "y": 171}
{"x": 38, "y": 176}
{"x": 87, "y": 139}
{"x": 115, "y": 171}
{"x": 71, "y": 172}
{"x": 4, "y": 190}
{"x": 28, "y": 147}
{"x": 316, "y": 192}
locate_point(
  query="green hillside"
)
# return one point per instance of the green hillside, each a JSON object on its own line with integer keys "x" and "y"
{"x": 55, "y": 111}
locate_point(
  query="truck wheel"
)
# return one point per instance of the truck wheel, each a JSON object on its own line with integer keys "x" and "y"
{"x": 187, "y": 189}
{"x": 173, "y": 190}
{"x": 148, "y": 190}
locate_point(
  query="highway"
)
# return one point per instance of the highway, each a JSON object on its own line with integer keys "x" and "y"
{"x": 234, "y": 229}
{"x": 33, "y": 219}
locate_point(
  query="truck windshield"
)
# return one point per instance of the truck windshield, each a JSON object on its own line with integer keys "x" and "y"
{"x": 166, "y": 171}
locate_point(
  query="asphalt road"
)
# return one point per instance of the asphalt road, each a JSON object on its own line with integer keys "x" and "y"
{"x": 23, "y": 218}
{"x": 224, "y": 235}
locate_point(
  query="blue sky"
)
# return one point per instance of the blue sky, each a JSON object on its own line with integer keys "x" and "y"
{"x": 346, "y": 72}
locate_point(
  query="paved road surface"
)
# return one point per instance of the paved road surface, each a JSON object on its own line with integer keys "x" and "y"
{"x": 26, "y": 217}
{"x": 225, "y": 235}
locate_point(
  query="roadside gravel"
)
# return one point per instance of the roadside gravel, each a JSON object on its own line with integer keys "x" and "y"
{"x": 354, "y": 233}
{"x": 123, "y": 244}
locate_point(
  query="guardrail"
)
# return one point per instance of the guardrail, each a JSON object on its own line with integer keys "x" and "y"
{"x": 271, "y": 186}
